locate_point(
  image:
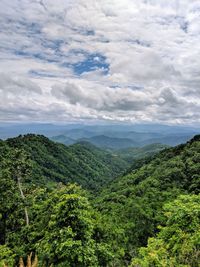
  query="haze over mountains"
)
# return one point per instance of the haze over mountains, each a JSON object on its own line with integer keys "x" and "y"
{"x": 113, "y": 136}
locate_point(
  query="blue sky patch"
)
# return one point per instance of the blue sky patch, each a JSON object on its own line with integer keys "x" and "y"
{"x": 91, "y": 63}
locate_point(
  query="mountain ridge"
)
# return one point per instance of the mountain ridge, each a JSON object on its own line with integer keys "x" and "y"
{"x": 86, "y": 165}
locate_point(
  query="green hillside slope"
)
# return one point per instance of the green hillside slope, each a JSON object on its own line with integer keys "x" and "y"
{"x": 131, "y": 206}
{"x": 135, "y": 153}
{"x": 80, "y": 163}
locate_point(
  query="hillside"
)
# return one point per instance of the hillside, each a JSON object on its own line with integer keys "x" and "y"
{"x": 131, "y": 206}
{"x": 147, "y": 217}
{"x": 135, "y": 153}
{"x": 80, "y": 163}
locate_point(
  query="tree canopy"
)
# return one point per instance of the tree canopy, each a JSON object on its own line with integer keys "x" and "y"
{"x": 150, "y": 216}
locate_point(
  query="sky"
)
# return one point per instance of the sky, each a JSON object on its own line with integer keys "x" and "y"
{"x": 100, "y": 60}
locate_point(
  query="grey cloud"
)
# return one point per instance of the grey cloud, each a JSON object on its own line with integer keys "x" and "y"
{"x": 18, "y": 85}
{"x": 173, "y": 107}
{"x": 169, "y": 97}
{"x": 105, "y": 99}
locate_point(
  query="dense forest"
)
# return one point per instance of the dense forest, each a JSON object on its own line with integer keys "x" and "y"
{"x": 80, "y": 163}
{"x": 81, "y": 206}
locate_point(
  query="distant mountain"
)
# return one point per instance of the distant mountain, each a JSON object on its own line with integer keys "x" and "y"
{"x": 139, "y": 137}
{"x": 113, "y": 136}
{"x": 145, "y": 138}
{"x": 9, "y": 130}
{"x": 80, "y": 163}
{"x": 110, "y": 142}
{"x": 79, "y": 133}
{"x": 134, "y": 139}
{"x": 172, "y": 139}
{"x": 63, "y": 139}
{"x": 135, "y": 153}
{"x": 142, "y": 128}
{"x": 120, "y": 140}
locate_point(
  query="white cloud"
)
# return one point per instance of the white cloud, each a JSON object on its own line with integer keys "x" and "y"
{"x": 151, "y": 48}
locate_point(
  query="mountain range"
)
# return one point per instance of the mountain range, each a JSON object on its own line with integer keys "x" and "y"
{"x": 114, "y": 136}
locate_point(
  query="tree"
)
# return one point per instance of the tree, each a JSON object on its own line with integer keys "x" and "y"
{"x": 10, "y": 204}
{"x": 178, "y": 243}
{"x": 14, "y": 167}
{"x": 65, "y": 227}
{"x": 20, "y": 167}
{"x": 6, "y": 256}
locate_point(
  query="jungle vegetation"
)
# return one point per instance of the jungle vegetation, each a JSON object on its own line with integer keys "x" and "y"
{"x": 81, "y": 206}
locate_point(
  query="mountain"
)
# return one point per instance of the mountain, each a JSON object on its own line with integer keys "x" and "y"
{"x": 171, "y": 140}
{"x": 148, "y": 216}
{"x": 63, "y": 139}
{"x": 140, "y": 134}
{"x": 79, "y": 133}
{"x": 118, "y": 140}
{"x": 9, "y": 130}
{"x": 118, "y": 137}
{"x": 110, "y": 142}
{"x": 80, "y": 163}
{"x": 135, "y": 153}
{"x": 132, "y": 205}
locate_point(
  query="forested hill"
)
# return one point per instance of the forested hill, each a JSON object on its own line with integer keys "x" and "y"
{"x": 81, "y": 163}
{"x": 148, "y": 217}
{"x": 133, "y": 204}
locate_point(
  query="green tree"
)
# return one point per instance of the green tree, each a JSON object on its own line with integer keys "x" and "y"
{"x": 9, "y": 197}
{"x": 20, "y": 167}
{"x": 178, "y": 243}
{"x": 65, "y": 226}
{"x": 14, "y": 167}
{"x": 6, "y": 256}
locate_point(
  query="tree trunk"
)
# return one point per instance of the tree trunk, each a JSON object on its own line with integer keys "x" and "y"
{"x": 23, "y": 197}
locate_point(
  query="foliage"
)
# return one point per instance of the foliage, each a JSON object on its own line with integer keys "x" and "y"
{"x": 68, "y": 227}
{"x": 80, "y": 163}
{"x": 131, "y": 206}
{"x": 66, "y": 239}
{"x": 177, "y": 243}
{"x": 6, "y": 256}
{"x": 11, "y": 204}
{"x": 132, "y": 154}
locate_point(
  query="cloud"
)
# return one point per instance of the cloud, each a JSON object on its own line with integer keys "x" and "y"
{"x": 113, "y": 60}
{"x": 104, "y": 99}
{"x": 18, "y": 86}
